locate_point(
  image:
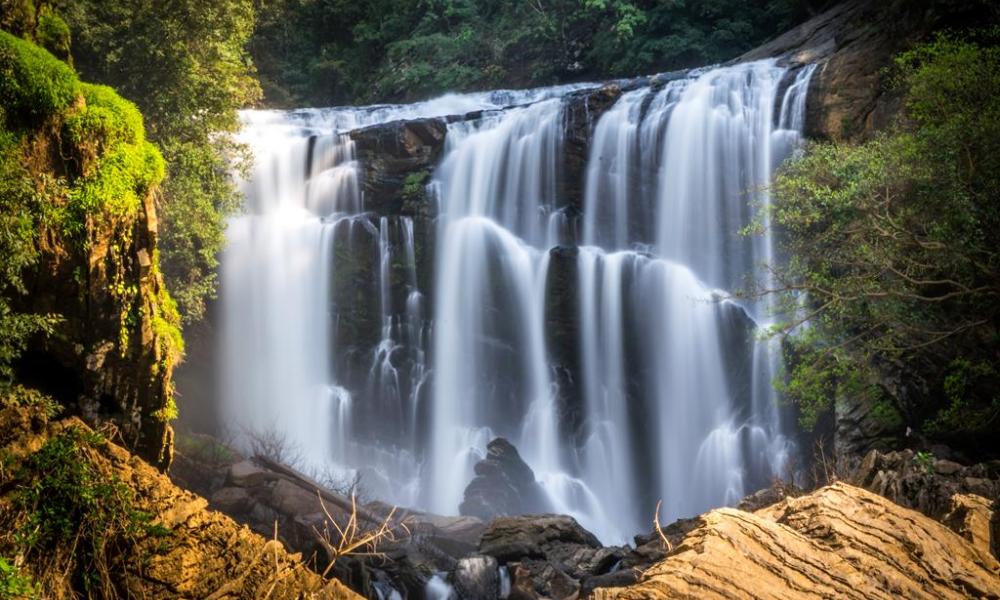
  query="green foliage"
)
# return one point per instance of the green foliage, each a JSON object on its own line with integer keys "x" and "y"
{"x": 196, "y": 196}
{"x": 22, "y": 397}
{"x": 33, "y": 85}
{"x": 64, "y": 503}
{"x": 108, "y": 120}
{"x": 327, "y": 51}
{"x": 14, "y": 583}
{"x": 19, "y": 202}
{"x": 895, "y": 244}
{"x": 924, "y": 460}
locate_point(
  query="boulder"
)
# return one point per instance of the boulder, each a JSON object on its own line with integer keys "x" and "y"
{"x": 549, "y": 554}
{"x": 232, "y": 500}
{"x": 838, "y": 542}
{"x": 504, "y": 485}
{"x": 510, "y": 539}
{"x": 247, "y": 473}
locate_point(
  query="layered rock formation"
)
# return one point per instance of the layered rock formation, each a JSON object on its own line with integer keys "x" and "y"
{"x": 839, "y": 541}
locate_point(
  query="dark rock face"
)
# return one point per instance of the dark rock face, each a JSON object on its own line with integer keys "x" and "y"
{"x": 550, "y": 556}
{"x": 97, "y": 364}
{"x": 859, "y": 429}
{"x": 581, "y": 112}
{"x": 535, "y": 536}
{"x": 398, "y": 158}
{"x": 504, "y": 485}
{"x": 562, "y": 326}
{"x": 925, "y": 483}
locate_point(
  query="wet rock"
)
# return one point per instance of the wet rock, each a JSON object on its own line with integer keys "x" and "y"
{"x": 511, "y": 539}
{"x": 477, "y": 578}
{"x": 504, "y": 485}
{"x": 397, "y": 159}
{"x": 581, "y": 112}
{"x": 543, "y": 579}
{"x": 619, "y": 578}
{"x": 522, "y": 584}
{"x": 562, "y": 326}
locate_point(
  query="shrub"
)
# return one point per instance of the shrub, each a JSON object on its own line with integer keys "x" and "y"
{"x": 15, "y": 584}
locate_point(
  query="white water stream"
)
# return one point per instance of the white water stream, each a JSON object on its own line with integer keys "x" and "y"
{"x": 672, "y": 395}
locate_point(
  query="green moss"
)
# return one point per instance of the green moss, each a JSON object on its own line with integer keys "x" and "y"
{"x": 33, "y": 83}
{"x": 169, "y": 411}
{"x": 167, "y": 320}
{"x": 106, "y": 121}
{"x": 414, "y": 185}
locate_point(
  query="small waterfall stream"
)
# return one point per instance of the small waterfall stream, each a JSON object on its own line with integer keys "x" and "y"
{"x": 329, "y": 341}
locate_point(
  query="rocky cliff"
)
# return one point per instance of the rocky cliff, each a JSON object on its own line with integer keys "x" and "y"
{"x": 86, "y": 179}
{"x": 851, "y": 94}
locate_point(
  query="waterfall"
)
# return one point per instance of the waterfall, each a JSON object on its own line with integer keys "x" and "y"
{"x": 658, "y": 388}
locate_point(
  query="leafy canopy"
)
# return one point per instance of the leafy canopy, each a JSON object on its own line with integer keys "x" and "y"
{"x": 327, "y": 51}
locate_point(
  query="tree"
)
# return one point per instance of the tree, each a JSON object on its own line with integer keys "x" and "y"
{"x": 896, "y": 245}
{"x": 186, "y": 66}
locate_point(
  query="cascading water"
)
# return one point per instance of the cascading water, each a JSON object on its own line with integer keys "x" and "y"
{"x": 668, "y": 394}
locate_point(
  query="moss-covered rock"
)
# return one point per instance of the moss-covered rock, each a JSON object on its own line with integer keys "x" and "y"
{"x": 85, "y": 180}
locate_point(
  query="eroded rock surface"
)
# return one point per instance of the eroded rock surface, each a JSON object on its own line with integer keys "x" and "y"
{"x": 838, "y": 542}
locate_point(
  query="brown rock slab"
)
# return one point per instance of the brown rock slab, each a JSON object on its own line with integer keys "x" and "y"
{"x": 838, "y": 542}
